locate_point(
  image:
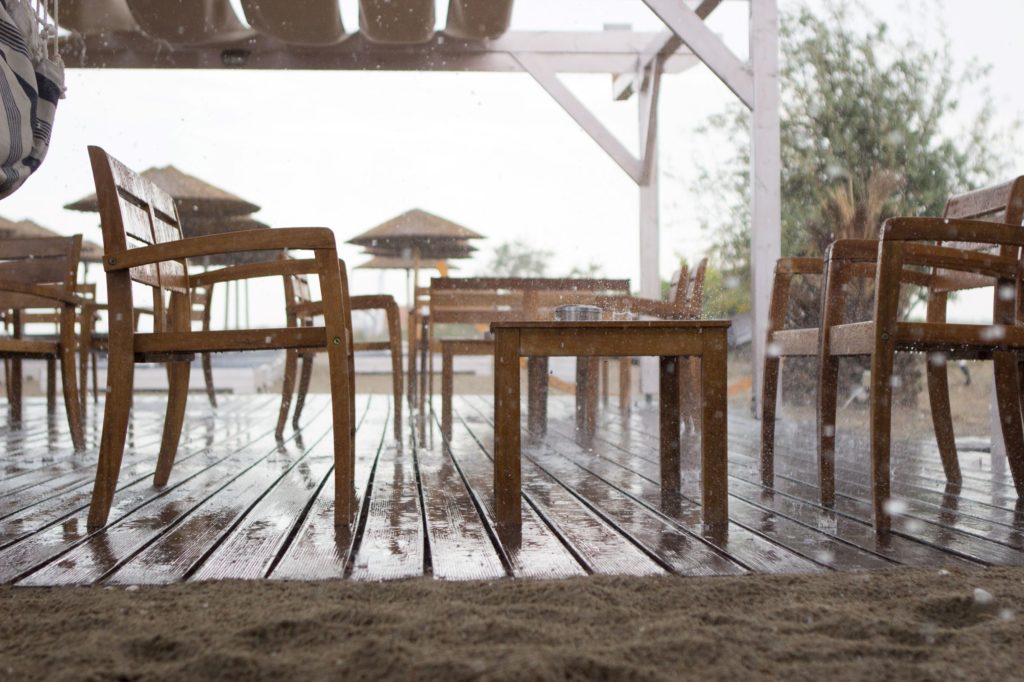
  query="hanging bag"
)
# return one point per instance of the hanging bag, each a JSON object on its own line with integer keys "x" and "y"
{"x": 31, "y": 82}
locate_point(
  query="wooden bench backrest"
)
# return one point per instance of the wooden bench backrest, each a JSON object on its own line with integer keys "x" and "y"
{"x": 482, "y": 300}
{"x": 47, "y": 261}
{"x": 135, "y": 213}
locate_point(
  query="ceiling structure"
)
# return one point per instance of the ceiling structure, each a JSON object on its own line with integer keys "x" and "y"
{"x": 476, "y": 35}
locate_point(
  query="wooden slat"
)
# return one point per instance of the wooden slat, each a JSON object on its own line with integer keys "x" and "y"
{"x": 138, "y": 527}
{"x": 230, "y": 340}
{"x": 320, "y": 550}
{"x": 178, "y": 553}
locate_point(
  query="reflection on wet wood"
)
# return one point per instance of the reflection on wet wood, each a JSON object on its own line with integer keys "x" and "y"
{"x": 240, "y": 504}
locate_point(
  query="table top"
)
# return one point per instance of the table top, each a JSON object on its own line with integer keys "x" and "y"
{"x": 632, "y": 325}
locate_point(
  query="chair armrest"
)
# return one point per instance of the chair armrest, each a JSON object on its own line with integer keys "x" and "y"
{"x": 40, "y": 291}
{"x": 302, "y": 238}
{"x": 374, "y": 302}
{"x": 951, "y": 230}
{"x": 804, "y": 265}
{"x": 853, "y": 250}
{"x": 275, "y": 268}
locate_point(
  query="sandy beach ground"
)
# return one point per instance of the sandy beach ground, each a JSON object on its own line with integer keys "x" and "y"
{"x": 893, "y": 625}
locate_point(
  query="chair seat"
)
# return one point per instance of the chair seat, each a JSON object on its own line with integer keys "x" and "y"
{"x": 796, "y": 341}
{"x": 230, "y": 340}
{"x": 967, "y": 341}
{"x": 27, "y": 348}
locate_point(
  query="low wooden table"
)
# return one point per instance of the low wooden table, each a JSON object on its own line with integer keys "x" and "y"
{"x": 669, "y": 340}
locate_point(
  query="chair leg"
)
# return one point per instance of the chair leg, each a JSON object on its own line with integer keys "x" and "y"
{"x": 211, "y": 393}
{"x": 881, "y": 433}
{"x": 120, "y": 377}
{"x": 942, "y": 418}
{"x": 72, "y": 402}
{"x": 304, "y": 378}
{"x": 395, "y": 339}
{"x": 1007, "y": 392}
{"x": 51, "y": 385}
{"x": 828, "y": 397}
{"x": 95, "y": 377}
{"x": 84, "y": 346}
{"x": 769, "y": 401}
{"x": 177, "y": 398}
{"x": 14, "y": 407}
{"x": 291, "y": 362}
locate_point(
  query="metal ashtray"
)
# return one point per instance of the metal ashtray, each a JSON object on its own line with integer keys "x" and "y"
{"x": 577, "y": 313}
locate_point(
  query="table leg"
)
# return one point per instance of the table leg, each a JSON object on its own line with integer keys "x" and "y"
{"x": 587, "y": 396}
{"x": 537, "y": 395}
{"x": 669, "y": 413}
{"x": 714, "y": 453}
{"x": 507, "y": 466}
{"x": 447, "y": 391}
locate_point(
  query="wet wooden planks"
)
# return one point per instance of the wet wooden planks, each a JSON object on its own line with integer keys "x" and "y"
{"x": 240, "y": 504}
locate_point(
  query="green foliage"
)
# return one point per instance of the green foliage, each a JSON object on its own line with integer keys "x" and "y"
{"x": 518, "y": 259}
{"x": 866, "y": 120}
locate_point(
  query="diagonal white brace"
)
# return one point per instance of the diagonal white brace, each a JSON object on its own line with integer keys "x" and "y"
{"x": 708, "y": 47}
{"x": 548, "y": 79}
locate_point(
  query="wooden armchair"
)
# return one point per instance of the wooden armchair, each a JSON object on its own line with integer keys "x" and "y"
{"x": 143, "y": 245}
{"x": 41, "y": 274}
{"x": 302, "y": 311}
{"x": 849, "y": 260}
{"x": 960, "y": 253}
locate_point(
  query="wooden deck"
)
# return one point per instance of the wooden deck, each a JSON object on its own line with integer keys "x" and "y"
{"x": 241, "y": 505}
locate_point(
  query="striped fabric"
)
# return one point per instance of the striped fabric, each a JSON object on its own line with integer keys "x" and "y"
{"x": 30, "y": 85}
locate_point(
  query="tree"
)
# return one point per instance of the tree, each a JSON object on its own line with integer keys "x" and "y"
{"x": 518, "y": 259}
{"x": 865, "y": 135}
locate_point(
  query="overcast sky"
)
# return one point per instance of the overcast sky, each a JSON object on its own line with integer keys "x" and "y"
{"x": 491, "y": 151}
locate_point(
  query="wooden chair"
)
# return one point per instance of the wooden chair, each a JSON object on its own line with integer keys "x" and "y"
{"x": 302, "y": 311}
{"x": 685, "y": 302}
{"x": 952, "y": 253}
{"x": 41, "y": 274}
{"x": 143, "y": 244}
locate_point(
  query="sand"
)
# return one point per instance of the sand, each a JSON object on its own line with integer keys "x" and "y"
{"x": 895, "y": 625}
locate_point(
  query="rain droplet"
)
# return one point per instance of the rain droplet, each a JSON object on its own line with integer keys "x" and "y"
{"x": 1005, "y": 292}
{"x": 937, "y": 359}
{"x": 982, "y": 597}
{"x": 993, "y": 332}
{"x": 895, "y": 506}
{"x": 1007, "y": 615}
{"x": 824, "y": 556}
{"x": 773, "y": 350}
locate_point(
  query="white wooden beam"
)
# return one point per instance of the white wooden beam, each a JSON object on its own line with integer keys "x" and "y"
{"x": 707, "y": 46}
{"x": 663, "y": 44}
{"x": 765, "y": 176}
{"x": 648, "y": 119}
{"x": 537, "y": 67}
{"x": 650, "y": 232}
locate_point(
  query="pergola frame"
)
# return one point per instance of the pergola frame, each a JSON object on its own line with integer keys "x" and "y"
{"x": 636, "y": 59}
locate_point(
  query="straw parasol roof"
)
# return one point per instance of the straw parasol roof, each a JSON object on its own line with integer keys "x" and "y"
{"x": 26, "y": 229}
{"x": 391, "y": 263}
{"x": 414, "y": 229}
{"x": 437, "y": 250}
{"x": 194, "y": 197}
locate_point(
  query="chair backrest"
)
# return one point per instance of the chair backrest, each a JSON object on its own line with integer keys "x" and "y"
{"x": 1002, "y": 203}
{"x": 136, "y": 213}
{"x": 51, "y": 262}
{"x": 687, "y": 289}
{"x": 297, "y": 293}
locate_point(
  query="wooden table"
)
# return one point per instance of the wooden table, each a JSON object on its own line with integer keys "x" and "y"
{"x": 669, "y": 340}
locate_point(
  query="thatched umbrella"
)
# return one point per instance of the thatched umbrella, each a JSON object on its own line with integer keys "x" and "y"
{"x": 195, "y": 198}
{"x": 417, "y": 234}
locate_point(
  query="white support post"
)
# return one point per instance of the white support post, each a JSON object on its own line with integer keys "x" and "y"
{"x": 766, "y": 179}
{"x": 650, "y": 233}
